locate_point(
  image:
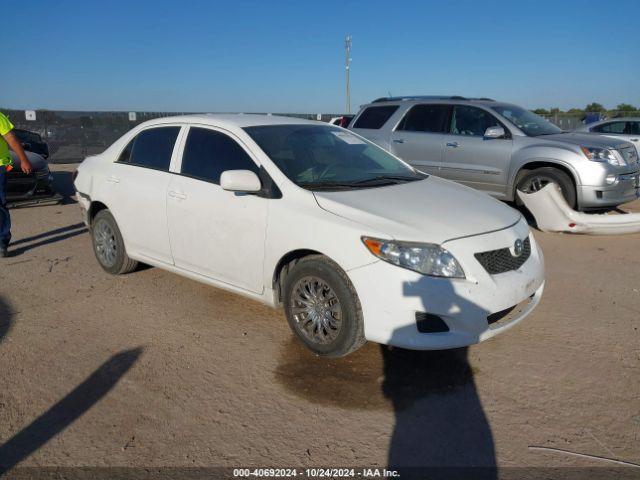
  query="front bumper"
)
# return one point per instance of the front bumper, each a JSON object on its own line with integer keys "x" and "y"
{"x": 391, "y": 296}
{"x": 626, "y": 189}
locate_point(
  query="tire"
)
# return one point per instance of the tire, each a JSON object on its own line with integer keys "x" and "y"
{"x": 532, "y": 180}
{"x": 330, "y": 323}
{"x": 108, "y": 245}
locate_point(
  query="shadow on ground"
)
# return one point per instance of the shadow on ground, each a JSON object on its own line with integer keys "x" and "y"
{"x": 440, "y": 430}
{"x": 46, "y": 238}
{"x": 68, "y": 409}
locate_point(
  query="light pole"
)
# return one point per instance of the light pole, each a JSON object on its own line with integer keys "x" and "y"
{"x": 347, "y": 48}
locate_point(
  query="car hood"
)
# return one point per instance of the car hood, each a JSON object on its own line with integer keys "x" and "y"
{"x": 585, "y": 140}
{"x": 37, "y": 162}
{"x": 432, "y": 210}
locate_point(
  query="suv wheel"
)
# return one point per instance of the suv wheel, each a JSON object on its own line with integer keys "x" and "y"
{"x": 108, "y": 245}
{"x": 322, "y": 307}
{"x": 530, "y": 181}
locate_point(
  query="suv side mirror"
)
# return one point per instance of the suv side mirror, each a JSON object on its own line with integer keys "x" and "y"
{"x": 240, "y": 181}
{"x": 494, "y": 132}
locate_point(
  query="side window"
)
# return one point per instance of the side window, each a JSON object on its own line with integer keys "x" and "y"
{"x": 375, "y": 117}
{"x": 125, "y": 156}
{"x": 151, "y": 148}
{"x": 611, "y": 127}
{"x": 471, "y": 121}
{"x": 425, "y": 118}
{"x": 208, "y": 153}
{"x": 634, "y": 128}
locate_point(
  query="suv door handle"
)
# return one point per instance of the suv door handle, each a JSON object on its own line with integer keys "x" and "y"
{"x": 453, "y": 144}
{"x": 113, "y": 179}
{"x": 634, "y": 139}
{"x": 178, "y": 195}
{"x": 398, "y": 140}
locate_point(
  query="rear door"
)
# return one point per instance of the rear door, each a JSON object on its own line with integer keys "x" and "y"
{"x": 419, "y": 137}
{"x": 214, "y": 232}
{"x": 472, "y": 159}
{"x": 136, "y": 189}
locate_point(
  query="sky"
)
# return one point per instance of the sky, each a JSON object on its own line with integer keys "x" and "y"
{"x": 288, "y": 56}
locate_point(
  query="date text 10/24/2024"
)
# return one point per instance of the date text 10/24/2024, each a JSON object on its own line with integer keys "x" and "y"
{"x": 315, "y": 473}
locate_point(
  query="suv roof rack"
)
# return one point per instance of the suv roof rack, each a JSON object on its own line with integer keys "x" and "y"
{"x": 429, "y": 97}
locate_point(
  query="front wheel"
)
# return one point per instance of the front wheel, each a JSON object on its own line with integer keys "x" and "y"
{"x": 108, "y": 245}
{"x": 322, "y": 307}
{"x": 530, "y": 181}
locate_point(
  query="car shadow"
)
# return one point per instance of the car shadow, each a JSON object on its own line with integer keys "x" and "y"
{"x": 440, "y": 428}
{"x": 46, "y": 238}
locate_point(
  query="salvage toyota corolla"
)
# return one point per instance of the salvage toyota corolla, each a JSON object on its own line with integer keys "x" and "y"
{"x": 355, "y": 244}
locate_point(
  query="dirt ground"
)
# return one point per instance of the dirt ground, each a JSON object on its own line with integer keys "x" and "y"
{"x": 151, "y": 369}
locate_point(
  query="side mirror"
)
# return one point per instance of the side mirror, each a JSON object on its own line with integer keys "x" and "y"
{"x": 494, "y": 132}
{"x": 240, "y": 181}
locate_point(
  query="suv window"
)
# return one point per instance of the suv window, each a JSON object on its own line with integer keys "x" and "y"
{"x": 425, "y": 118}
{"x": 375, "y": 117}
{"x": 611, "y": 127}
{"x": 471, "y": 121}
{"x": 151, "y": 148}
{"x": 208, "y": 153}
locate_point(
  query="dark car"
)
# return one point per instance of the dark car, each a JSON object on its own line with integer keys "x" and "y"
{"x": 32, "y": 142}
{"x": 33, "y": 186}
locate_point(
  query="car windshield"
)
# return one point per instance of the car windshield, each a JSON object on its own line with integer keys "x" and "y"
{"x": 531, "y": 124}
{"x": 324, "y": 157}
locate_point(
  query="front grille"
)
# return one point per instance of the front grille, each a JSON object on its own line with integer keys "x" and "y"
{"x": 500, "y": 261}
{"x": 629, "y": 154}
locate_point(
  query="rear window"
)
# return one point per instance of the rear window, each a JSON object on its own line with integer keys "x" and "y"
{"x": 425, "y": 118}
{"x": 151, "y": 148}
{"x": 375, "y": 117}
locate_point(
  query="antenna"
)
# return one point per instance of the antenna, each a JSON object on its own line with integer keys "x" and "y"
{"x": 347, "y": 48}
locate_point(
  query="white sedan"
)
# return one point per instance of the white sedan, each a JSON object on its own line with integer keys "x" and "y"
{"x": 355, "y": 244}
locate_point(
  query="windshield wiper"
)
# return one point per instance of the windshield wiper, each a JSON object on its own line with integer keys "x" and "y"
{"x": 386, "y": 179}
{"x": 323, "y": 185}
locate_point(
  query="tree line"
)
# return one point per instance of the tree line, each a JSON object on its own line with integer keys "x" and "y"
{"x": 593, "y": 107}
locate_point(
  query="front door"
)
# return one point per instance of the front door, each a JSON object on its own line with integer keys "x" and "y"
{"x": 472, "y": 159}
{"x": 214, "y": 232}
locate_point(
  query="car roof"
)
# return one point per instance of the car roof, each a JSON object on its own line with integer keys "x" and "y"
{"x": 230, "y": 120}
{"x": 413, "y": 99}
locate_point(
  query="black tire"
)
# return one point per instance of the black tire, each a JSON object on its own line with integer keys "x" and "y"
{"x": 349, "y": 334}
{"x": 117, "y": 262}
{"x": 528, "y": 179}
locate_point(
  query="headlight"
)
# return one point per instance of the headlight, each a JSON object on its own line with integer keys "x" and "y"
{"x": 425, "y": 258}
{"x": 604, "y": 155}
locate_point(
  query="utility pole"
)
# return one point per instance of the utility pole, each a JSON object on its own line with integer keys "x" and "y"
{"x": 347, "y": 48}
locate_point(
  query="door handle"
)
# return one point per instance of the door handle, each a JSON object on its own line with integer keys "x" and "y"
{"x": 398, "y": 140}
{"x": 113, "y": 179}
{"x": 634, "y": 139}
{"x": 178, "y": 195}
{"x": 453, "y": 144}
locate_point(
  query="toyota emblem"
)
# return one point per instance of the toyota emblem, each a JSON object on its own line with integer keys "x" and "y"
{"x": 518, "y": 248}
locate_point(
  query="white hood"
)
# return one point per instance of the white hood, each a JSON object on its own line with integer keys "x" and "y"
{"x": 432, "y": 210}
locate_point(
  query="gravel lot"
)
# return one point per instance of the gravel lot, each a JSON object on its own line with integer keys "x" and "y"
{"x": 151, "y": 369}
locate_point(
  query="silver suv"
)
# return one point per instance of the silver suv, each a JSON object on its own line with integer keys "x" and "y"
{"x": 498, "y": 147}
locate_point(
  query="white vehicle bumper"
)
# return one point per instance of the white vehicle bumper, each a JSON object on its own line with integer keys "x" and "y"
{"x": 473, "y": 309}
{"x": 553, "y": 214}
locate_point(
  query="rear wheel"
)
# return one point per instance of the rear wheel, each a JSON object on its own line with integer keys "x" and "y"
{"x": 322, "y": 307}
{"x": 108, "y": 245}
{"x": 530, "y": 181}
